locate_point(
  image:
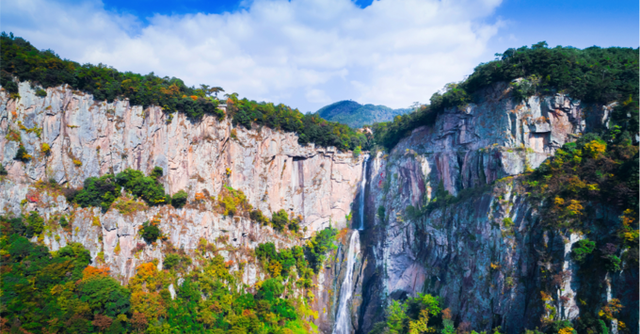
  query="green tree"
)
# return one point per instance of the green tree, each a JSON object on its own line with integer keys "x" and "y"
{"x": 179, "y": 199}
{"x": 35, "y": 222}
{"x": 105, "y": 295}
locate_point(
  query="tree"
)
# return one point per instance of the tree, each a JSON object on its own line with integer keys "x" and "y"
{"x": 105, "y": 295}
{"x": 215, "y": 90}
{"x": 156, "y": 173}
{"x": 179, "y": 199}
{"x": 280, "y": 220}
{"x": 22, "y": 154}
{"x": 35, "y": 222}
{"x": 150, "y": 232}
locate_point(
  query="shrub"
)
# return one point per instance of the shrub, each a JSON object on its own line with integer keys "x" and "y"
{"x": 508, "y": 222}
{"x": 45, "y": 148}
{"x": 294, "y": 225}
{"x": 257, "y": 216}
{"x": 63, "y": 221}
{"x": 317, "y": 247}
{"x": 3, "y": 171}
{"x": 381, "y": 213}
{"x": 126, "y": 206}
{"x": 156, "y": 173}
{"x": 100, "y": 192}
{"x": 170, "y": 261}
{"x": 150, "y": 232}
{"x": 280, "y": 220}
{"x": 104, "y": 295}
{"x": 146, "y": 187}
{"x": 175, "y": 261}
{"x": 232, "y": 201}
{"x": 612, "y": 263}
{"x": 582, "y": 249}
{"x": 179, "y": 199}
{"x": 41, "y": 92}
{"x": 35, "y": 222}
{"x": 357, "y": 151}
{"x": 22, "y": 155}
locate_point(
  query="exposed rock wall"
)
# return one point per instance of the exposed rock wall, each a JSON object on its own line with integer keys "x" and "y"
{"x": 483, "y": 253}
{"x": 92, "y": 138}
{"x": 112, "y": 237}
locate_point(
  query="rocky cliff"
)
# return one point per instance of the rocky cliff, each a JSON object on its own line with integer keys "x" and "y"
{"x": 92, "y": 138}
{"x": 486, "y": 253}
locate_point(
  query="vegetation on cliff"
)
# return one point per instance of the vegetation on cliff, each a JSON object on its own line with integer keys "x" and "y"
{"x": 577, "y": 189}
{"x": 592, "y": 75}
{"x": 420, "y": 314}
{"x": 23, "y": 61}
{"x": 46, "y": 292}
{"x": 103, "y": 191}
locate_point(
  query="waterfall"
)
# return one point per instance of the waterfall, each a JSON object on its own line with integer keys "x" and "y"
{"x": 343, "y": 318}
{"x": 363, "y": 185}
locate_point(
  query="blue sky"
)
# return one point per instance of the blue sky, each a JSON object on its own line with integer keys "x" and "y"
{"x": 560, "y": 22}
{"x": 308, "y": 53}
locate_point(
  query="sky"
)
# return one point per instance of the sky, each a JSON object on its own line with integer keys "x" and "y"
{"x": 310, "y": 53}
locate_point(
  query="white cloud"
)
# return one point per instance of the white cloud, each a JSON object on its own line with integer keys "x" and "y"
{"x": 317, "y": 96}
{"x": 305, "y": 53}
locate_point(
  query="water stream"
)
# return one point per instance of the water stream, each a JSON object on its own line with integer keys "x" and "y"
{"x": 343, "y": 318}
{"x": 363, "y": 185}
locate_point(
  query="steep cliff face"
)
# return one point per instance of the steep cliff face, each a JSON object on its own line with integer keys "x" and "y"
{"x": 113, "y": 238}
{"x": 92, "y": 138}
{"x": 483, "y": 254}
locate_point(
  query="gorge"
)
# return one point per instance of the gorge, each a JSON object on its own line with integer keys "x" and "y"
{"x": 282, "y": 236}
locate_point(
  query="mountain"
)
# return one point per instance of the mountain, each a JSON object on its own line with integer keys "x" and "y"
{"x": 509, "y": 204}
{"x": 356, "y": 115}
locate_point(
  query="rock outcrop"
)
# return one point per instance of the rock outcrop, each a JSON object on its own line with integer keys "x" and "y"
{"x": 483, "y": 254}
{"x": 93, "y": 138}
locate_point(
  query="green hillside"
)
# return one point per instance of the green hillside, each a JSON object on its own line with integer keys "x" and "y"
{"x": 356, "y": 115}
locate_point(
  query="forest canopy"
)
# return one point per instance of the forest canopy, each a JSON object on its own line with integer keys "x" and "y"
{"x": 45, "y": 68}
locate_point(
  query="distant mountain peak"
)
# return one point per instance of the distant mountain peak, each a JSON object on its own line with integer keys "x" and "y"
{"x": 356, "y": 115}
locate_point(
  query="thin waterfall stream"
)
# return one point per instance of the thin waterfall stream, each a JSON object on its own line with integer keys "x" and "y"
{"x": 343, "y": 318}
{"x": 363, "y": 185}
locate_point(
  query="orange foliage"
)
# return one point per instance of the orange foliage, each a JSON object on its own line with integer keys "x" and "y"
{"x": 446, "y": 314}
{"x": 545, "y": 296}
{"x": 199, "y": 196}
{"x": 102, "y": 322}
{"x": 91, "y": 271}
{"x": 33, "y": 196}
{"x": 193, "y": 97}
{"x": 148, "y": 304}
{"x": 144, "y": 273}
{"x": 139, "y": 321}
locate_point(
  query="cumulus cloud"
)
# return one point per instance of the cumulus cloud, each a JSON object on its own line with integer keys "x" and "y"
{"x": 305, "y": 53}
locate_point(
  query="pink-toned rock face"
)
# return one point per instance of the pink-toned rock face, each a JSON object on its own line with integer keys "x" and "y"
{"x": 92, "y": 138}
{"x": 463, "y": 251}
